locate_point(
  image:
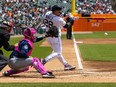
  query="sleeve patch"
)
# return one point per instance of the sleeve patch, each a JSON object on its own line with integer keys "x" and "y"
{"x": 26, "y": 47}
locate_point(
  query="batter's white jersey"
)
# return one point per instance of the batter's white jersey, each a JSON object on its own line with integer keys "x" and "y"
{"x": 53, "y": 20}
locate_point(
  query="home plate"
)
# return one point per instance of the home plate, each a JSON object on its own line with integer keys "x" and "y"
{"x": 79, "y": 41}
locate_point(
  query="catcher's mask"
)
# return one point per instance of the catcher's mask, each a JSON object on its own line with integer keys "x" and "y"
{"x": 7, "y": 26}
{"x": 30, "y": 33}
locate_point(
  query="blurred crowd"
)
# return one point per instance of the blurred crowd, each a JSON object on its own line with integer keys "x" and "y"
{"x": 94, "y": 7}
{"x": 23, "y": 13}
{"x": 30, "y": 13}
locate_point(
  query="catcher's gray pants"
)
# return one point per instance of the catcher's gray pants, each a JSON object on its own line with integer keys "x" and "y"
{"x": 19, "y": 63}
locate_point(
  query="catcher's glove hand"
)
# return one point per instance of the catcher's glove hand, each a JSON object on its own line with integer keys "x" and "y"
{"x": 52, "y": 32}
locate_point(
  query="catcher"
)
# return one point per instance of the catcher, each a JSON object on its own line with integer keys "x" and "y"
{"x": 20, "y": 59}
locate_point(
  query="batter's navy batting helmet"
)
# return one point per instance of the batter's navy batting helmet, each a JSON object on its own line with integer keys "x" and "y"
{"x": 56, "y": 7}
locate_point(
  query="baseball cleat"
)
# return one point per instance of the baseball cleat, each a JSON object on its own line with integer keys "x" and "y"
{"x": 5, "y": 73}
{"x": 48, "y": 75}
{"x": 69, "y": 67}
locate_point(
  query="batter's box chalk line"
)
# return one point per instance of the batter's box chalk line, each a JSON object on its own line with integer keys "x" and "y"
{"x": 79, "y": 42}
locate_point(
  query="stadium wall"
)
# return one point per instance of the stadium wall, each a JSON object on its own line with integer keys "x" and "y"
{"x": 95, "y": 22}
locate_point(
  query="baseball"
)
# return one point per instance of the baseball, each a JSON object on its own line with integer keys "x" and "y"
{"x": 106, "y": 33}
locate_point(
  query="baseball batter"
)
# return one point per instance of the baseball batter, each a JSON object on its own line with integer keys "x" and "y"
{"x": 53, "y": 18}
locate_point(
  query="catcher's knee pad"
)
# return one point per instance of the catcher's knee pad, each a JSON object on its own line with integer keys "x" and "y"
{"x": 34, "y": 60}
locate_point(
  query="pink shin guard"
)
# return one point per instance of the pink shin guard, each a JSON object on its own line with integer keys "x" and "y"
{"x": 11, "y": 72}
{"x": 38, "y": 66}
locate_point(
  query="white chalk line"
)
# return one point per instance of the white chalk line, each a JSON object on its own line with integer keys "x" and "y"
{"x": 77, "y": 53}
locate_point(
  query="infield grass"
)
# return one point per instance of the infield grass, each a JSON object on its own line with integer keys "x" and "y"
{"x": 98, "y": 52}
{"x": 58, "y": 85}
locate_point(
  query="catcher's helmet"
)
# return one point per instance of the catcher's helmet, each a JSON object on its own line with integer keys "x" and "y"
{"x": 30, "y": 33}
{"x": 56, "y": 7}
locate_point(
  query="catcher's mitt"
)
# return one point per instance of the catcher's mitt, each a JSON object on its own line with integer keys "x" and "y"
{"x": 52, "y": 32}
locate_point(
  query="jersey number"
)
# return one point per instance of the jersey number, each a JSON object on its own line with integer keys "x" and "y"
{"x": 48, "y": 23}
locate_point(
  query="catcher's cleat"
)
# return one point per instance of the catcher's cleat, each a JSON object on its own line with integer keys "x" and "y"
{"x": 50, "y": 72}
{"x": 48, "y": 75}
{"x": 5, "y": 73}
{"x": 69, "y": 67}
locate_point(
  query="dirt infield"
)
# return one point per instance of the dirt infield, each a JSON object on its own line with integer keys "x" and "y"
{"x": 92, "y": 72}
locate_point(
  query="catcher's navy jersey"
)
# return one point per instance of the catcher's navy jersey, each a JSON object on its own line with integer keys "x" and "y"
{"x": 24, "y": 49}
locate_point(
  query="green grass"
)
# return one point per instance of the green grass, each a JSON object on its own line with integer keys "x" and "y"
{"x": 41, "y": 52}
{"x": 98, "y": 52}
{"x": 58, "y": 85}
{"x": 96, "y": 35}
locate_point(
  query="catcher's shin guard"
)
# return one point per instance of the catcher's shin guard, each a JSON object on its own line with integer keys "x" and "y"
{"x": 3, "y": 61}
{"x": 38, "y": 66}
